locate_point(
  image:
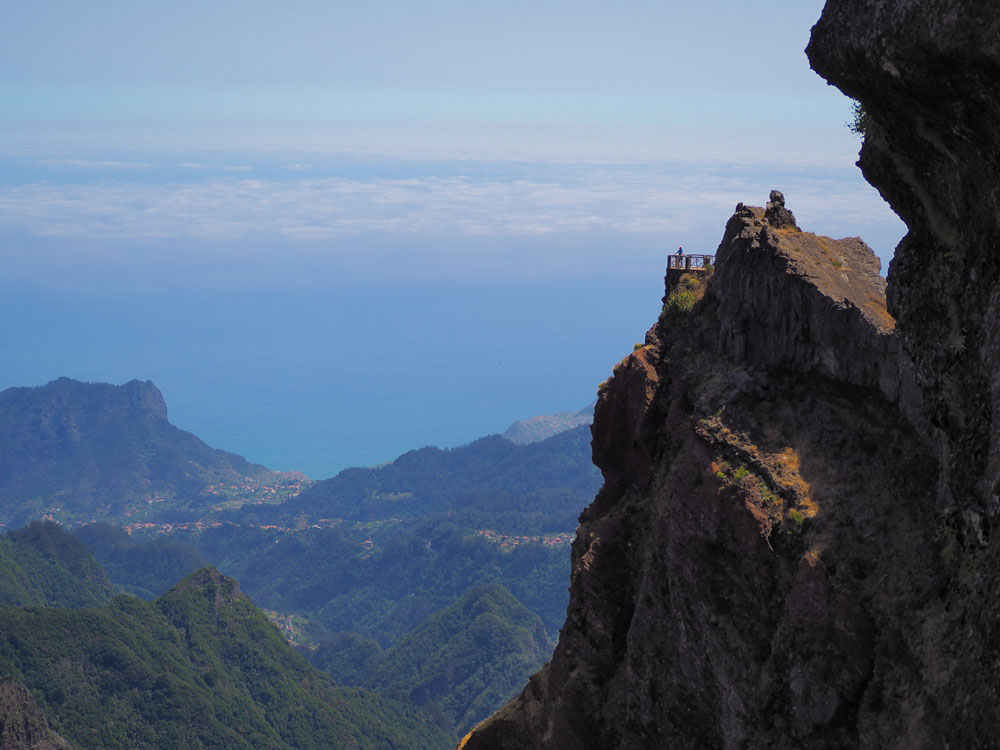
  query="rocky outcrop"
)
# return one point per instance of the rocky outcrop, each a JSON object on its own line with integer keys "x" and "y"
{"x": 22, "y": 723}
{"x": 795, "y": 544}
{"x": 793, "y": 300}
{"x": 777, "y": 215}
{"x": 767, "y": 517}
{"x": 927, "y": 74}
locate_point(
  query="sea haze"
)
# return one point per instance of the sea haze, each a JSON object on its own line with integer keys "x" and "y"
{"x": 317, "y": 311}
{"x": 323, "y": 378}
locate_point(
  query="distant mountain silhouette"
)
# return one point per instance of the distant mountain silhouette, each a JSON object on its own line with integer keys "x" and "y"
{"x": 74, "y": 451}
{"x": 545, "y": 426}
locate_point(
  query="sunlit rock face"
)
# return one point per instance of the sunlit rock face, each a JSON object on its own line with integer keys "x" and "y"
{"x": 795, "y": 545}
{"x": 767, "y": 515}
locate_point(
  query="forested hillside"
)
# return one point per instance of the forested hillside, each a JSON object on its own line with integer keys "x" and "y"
{"x": 466, "y": 658}
{"x": 42, "y": 565}
{"x": 73, "y": 452}
{"x": 457, "y": 555}
{"x": 200, "y": 667}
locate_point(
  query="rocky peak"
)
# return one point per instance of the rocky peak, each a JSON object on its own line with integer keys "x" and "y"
{"x": 777, "y": 215}
{"x": 795, "y": 300}
{"x": 65, "y": 407}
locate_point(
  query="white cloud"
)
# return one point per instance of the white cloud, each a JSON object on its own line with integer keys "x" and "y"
{"x": 227, "y": 217}
{"x": 611, "y": 199}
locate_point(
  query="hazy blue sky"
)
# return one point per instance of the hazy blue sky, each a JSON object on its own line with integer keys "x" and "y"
{"x": 666, "y": 79}
{"x": 311, "y": 160}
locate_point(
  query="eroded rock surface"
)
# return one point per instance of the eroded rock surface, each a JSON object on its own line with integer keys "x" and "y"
{"x": 928, "y": 76}
{"x": 796, "y": 543}
{"x": 746, "y": 576}
{"x": 22, "y": 723}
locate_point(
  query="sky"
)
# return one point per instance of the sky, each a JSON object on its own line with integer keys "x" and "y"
{"x": 239, "y": 199}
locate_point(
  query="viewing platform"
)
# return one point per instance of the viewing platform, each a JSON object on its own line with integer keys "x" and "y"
{"x": 689, "y": 262}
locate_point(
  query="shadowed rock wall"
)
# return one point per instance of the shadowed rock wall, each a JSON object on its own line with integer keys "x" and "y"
{"x": 928, "y": 76}
{"x": 794, "y": 545}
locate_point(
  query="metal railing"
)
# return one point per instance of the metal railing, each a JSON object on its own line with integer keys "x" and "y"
{"x": 689, "y": 262}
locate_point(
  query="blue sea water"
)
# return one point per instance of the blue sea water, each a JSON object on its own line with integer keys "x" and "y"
{"x": 337, "y": 375}
{"x": 313, "y": 312}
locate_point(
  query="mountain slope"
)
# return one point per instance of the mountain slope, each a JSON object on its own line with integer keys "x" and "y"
{"x": 468, "y": 658}
{"x": 200, "y": 667}
{"x": 42, "y": 565}
{"x": 544, "y": 426}
{"x": 77, "y": 451}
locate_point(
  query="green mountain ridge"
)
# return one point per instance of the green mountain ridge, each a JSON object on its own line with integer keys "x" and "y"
{"x": 468, "y": 657}
{"x": 201, "y": 667}
{"x": 383, "y": 561}
{"x": 41, "y": 565}
{"x": 531, "y": 488}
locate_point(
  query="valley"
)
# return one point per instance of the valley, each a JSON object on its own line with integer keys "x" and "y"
{"x": 360, "y": 574}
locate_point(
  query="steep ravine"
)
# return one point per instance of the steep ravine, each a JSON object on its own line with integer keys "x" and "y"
{"x": 792, "y": 546}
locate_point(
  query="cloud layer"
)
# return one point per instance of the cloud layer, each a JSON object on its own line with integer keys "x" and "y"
{"x": 545, "y": 199}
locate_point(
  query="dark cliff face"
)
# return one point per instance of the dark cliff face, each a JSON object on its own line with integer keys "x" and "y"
{"x": 928, "y": 76}
{"x": 793, "y": 544}
{"x": 746, "y": 576}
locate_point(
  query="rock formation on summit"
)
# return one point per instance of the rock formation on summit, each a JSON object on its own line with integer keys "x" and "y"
{"x": 776, "y": 214}
{"x": 792, "y": 547}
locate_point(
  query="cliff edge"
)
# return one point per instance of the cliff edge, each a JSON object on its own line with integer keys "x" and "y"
{"x": 741, "y": 577}
{"x": 792, "y": 547}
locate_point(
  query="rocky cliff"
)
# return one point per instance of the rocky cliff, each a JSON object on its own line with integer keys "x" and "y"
{"x": 928, "y": 77}
{"x": 73, "y": 451}
{"x": 738, "y": 579}
{"x": 22, "y": 723}
{"x": 792, "y": 545}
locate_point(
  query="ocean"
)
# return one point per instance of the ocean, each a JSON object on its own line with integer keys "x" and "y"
{"x": 314, "y": 312}
{"x": 320, "y": 379}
